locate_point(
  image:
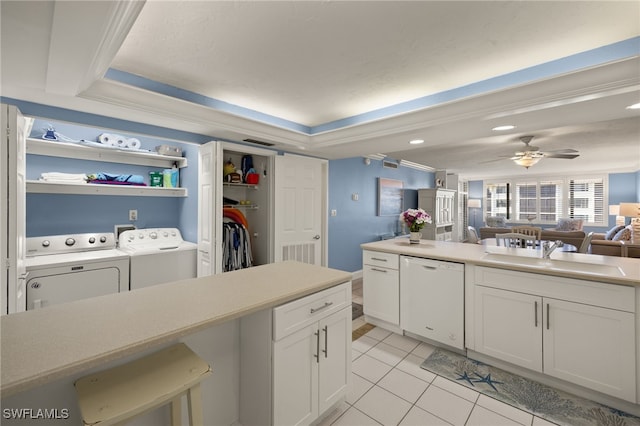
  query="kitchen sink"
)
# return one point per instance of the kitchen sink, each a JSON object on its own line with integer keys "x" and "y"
{"x": 531, "y": 258}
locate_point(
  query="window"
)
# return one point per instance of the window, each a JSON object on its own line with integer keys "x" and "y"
{"x": 586, "y": 200}
{"x": 497, "y": 199}
{"x": 547, "y": 200}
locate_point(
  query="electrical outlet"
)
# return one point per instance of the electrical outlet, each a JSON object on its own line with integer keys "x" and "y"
{"x": 133, "y": 215}
{"x": 334, "y": 212}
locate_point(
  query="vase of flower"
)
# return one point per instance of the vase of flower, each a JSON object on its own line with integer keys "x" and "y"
{"x": 415, "y": 219}
{"x": 414, "y": 237}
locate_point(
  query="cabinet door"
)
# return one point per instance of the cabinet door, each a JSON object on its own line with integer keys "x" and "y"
{"x": 590, "y": 346}
{"x": 381, "y": 293}
{"x": 335, "y": 358}
{"x": 508, "y": 326}
{"x": 295, "y": 377}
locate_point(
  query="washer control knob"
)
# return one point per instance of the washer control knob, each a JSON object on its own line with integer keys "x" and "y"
{"x": 103, "y": 239}
{"x": 70, "y": 242}
{"x": 92, "y": 240}
{"x": 46, "y": 243}
{"x": 141, "y": 236}
{"x": 153, "y": 235}
{"x": 166, "y": 234}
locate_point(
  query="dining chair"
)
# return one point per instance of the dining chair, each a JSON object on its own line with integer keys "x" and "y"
{"x": 472, "y": 235}
{"x": 514, "y": 239}
{"x": 529, "y": 230}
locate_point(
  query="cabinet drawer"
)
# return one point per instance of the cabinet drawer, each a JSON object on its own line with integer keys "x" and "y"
{"x": 295, "y": 315}
{"x": 378, "y": 258}
{"x": 606, "y": 295}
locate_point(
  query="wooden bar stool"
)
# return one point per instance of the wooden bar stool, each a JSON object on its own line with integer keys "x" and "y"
{"x": 120, "y": 393}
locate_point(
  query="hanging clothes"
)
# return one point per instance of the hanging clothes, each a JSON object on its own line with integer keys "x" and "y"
{"x": 236, "y": 247}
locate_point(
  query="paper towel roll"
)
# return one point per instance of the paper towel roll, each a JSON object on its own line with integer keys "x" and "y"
{"x": 121, "y": 141}
{"x": 134, "y": 143}
{"x": 105, "y": 139}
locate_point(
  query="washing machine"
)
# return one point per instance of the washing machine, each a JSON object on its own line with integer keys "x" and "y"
{"x": 64, "y": 268}
{"x": 158, "y": 256}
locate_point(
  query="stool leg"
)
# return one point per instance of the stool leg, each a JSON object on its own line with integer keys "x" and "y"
{"x": 176, "y": 411}
{"x": 194, "y": 401}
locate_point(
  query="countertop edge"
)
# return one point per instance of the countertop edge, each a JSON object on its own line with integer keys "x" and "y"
{"x": 414, "y": 250}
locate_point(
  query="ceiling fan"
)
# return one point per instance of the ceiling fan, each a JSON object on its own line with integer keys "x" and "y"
{"x": 530, "y": 155}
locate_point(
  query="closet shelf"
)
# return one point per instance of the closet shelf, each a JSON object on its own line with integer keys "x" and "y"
{"x": 38, "y": 187}
{"x": 110, "y": 155}
{"x": 242, "y": 206}
{"x": 241, "y": 185}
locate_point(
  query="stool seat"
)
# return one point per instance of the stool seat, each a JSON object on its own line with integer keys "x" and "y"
{"x": 120, "y": 393}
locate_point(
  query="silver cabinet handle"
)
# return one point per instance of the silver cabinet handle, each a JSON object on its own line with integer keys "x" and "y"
{"x": 429, "y": 267}
{"x": 316, "y": 237}
{"x": 379, "y": 270}
{"x": 547, "y": 316}
{"x": 317, "y": 354}
{"x": 326, "y": 305}
{"x": 378, "y": 259}
{"x": 535, "y": 311}
{"x": 326, "y": 343}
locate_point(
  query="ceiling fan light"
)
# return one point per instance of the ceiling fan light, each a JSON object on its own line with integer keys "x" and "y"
{"x": 634, "y": 106}
{"x": 527, "y": 161}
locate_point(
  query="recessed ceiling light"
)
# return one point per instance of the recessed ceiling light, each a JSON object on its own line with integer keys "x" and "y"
{"x": 502, "y": 128}
{"x": 634, "y": 106}
{"x": 416, "y": 141}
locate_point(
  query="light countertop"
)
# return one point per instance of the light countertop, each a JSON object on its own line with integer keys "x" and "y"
{"x": 474, "y": 254}
{"x": 44, "y": 345}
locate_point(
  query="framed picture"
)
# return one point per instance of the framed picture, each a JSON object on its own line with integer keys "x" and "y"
{"x": 389, "y": 197}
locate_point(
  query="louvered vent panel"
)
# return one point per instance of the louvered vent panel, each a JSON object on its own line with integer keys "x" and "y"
{"x": 302, "y": 252}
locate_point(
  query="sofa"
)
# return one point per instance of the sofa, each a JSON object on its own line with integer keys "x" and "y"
{"x": 615, "y": 242}
{"x": 569, "y": 231}
{"x": 568, "y": 237}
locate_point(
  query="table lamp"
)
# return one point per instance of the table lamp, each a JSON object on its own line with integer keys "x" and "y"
{"x": 632, "y": 210}
{"x": 615, "y": 211}
{"x": 474, "y": 204}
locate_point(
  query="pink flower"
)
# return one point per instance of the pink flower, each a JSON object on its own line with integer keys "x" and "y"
{"x": 415, "y": 219}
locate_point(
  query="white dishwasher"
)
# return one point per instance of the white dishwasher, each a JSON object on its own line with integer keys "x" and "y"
{"x": 432, "y": 299}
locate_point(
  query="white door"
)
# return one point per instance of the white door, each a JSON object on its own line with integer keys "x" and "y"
{"x": 300, "y": 209}
{"x": 295, "y": 377}
{"x": 335, "y": 358}
{"x": 13, "y": 193}
{"x": 590, "y": 346}
{"x": 209, "y": 212}
{"x": 509, "y": 326}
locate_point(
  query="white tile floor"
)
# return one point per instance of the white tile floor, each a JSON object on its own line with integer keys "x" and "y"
{"x": 390, "y": 388}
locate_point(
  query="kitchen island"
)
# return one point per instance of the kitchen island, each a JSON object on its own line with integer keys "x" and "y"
{"x": 570, "y": 321}
{"x": 43, "y": 351}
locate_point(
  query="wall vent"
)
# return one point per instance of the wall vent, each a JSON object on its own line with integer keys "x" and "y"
{"x": 302, "y": 252}
{"x": 389, "y": 165}
{"x": 257, "y": 142}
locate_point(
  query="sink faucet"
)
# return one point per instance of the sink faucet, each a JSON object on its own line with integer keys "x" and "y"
{"x": 547, "y": 248}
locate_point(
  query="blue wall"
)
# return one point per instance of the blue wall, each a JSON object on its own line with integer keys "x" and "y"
{"x": 357, "y": 222}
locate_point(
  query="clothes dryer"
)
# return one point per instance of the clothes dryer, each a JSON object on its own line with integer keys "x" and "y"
{"x": 158, "y": 256}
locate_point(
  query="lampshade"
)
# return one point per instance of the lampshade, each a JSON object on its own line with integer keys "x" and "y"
{"x": 474, "y": 203}
{"x": 630, "y": 209}
{"x": 526, "y": 161}
{"x": 614, "y": 210}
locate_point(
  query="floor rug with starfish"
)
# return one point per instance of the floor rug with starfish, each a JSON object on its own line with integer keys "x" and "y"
{"x": 544, "y": 401}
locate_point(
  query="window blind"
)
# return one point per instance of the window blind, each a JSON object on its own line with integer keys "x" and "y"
{"x": 586, "y": 200}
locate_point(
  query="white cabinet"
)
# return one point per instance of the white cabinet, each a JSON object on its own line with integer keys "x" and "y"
{"x": 441, "y": 206}
{"x": 381, "y": 286}
{"x": 432, "y": 300}
{"x": 579, "y": 331}
{"x": 311, "y": 355}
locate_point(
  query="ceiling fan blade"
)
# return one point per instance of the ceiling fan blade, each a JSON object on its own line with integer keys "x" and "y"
{"x": 494, "y": 160}
{"x": 563, "y": 156}
{"x": 562, "y": 151}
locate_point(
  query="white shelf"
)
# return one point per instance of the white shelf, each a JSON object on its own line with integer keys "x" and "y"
{"x": 240, "y": 185}
{"x": 38, "y": 187}
{"x": 242, "y": 206}
{"x": 110, "y": 155}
